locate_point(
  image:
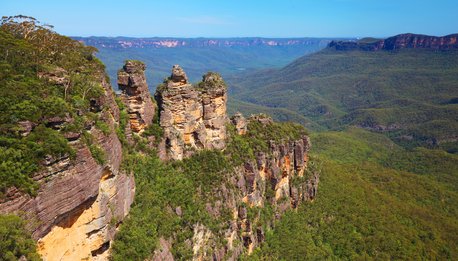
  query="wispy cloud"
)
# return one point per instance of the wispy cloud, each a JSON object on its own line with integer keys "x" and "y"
{"x": 206, "y": 20}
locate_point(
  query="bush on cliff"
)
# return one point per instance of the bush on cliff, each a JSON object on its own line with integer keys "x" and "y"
{"x": 44, "y": 78}
{"x": 15, "y": 242}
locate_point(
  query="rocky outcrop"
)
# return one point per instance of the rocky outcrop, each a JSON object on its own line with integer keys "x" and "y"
{"x": 214, "y": 98}
{"x": 262, "y": 189}
{"x": 240, "y": 123}
{"x": 192, "y": 117}
{"x": 135, "y": 95}
{"x": 402, "y": 41}
{"x": 80, "y": 202}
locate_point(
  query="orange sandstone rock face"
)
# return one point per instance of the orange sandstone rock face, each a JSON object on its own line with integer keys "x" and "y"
{"x": 80, "y": 202}
{"x": 84, "y": 233}
{"x": 193, "y": 117}
{"x": 135, "y": 95}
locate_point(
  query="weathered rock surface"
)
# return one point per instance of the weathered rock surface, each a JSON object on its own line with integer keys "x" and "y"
{"x": 193, "y": 117}
{"x": 277, "y": 178}
{"x": 240, "y": 123}
{"x": 79, "y": 202}
{"x": 412, "y": 41}
{"x": 214, "y": 98}
{"x": 135, "y": 95}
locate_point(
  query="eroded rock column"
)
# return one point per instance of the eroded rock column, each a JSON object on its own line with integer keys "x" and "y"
{"x": 135, "y": 95}
{"x": 214, "y": 99}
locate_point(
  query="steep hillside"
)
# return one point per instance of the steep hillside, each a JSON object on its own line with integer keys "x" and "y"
{"x": 60, "y": 156}
{"x": 409, "y": 94}
{"x": 215, "y": 186}
{"x": 376, "y": 201}
{"x": 197, "y": 55}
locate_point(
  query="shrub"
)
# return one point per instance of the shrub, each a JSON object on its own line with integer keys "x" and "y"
{"x": 15, "y": 242}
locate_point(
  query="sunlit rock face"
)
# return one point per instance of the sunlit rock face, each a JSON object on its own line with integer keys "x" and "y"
{"x": 193, "y": 116}
{"x": 80, "y": 201}
{"x": 85, "y": 232}
{"x": 135, "y": 95}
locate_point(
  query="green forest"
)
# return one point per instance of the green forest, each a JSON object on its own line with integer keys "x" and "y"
{"x": 409, "y": 95}
{"x": 382, "y": 126}
{"x": 376, "y": 200}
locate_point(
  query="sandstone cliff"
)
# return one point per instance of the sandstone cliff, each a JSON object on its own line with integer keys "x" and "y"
{"x": 257, "y": 194}
{"x": 80, "y": 200}
{"x": 83, "y": 199}
{"x": 402, "y": 41}
{"x": 193, "y": 117}
{"x": 135, "y": 95}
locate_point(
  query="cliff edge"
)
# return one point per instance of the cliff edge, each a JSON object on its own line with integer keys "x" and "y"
{"x": 402, "y": 41}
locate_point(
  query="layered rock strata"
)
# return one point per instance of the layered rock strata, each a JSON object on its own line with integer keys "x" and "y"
{"x": 80, "y": 202}
{"x": 192, "y": 117}
{"x": 135, "y": 95}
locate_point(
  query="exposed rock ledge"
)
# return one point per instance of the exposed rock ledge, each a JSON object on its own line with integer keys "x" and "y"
{"x": 80, "y": 202}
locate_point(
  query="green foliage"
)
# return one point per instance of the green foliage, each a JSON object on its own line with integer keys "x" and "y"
{"x": 259, "y": 135}
{"x": 154, "y": 130}
{"x": 32, "y": 54}
{"x": 160, "y": 189}
{"x": 102, "y": 126}
{"x": 239, "y": 148}
{"x": 15, "y": 242}
{"x": 190, "y": 184}
{"x": 96, "y": 151}
{"x": 407, "y": 94}
{"x": 376, "y": 200}
{"x": 49, "y": 142}
{"x": 20, "y": 158}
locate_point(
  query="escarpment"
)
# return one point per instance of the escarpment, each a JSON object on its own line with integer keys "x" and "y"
{"x": 402, "y": 41}
{"x": 81, "y": 198}
{"x": 192, "y": 117}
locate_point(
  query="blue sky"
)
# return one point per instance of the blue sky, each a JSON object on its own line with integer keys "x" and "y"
{"x": 240, "y": 18}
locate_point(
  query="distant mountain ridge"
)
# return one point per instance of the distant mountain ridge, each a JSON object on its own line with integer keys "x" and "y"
{"x": 401, "y": 41}
{"x": 224, "y": 55}
{"x": 408, "y": 94}
{"x": 171, "y": 42}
